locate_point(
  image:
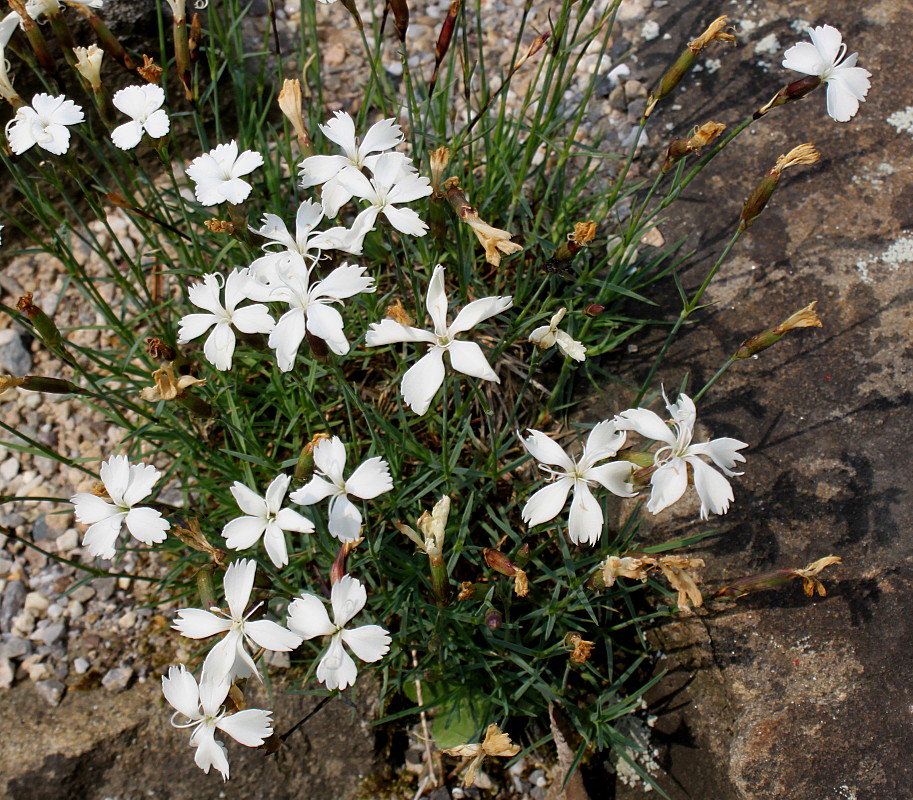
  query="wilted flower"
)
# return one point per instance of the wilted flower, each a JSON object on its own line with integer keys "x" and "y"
{"x": 370, "y": 479}
{"x": 671, "y": 461}
{"x": 217, "y": 174}
{"x": 496, "y": 743}
{"x": 548, "y": 336}
{"x": 847, "y": 84}
{"x": 229, "y": 659}
{"x": 681, "y": 572}
{"x": 88, "y": 63}
{"x": 166, "y": 387}
{"x": 220, "y": 344}
{"x": 432, "y": 526}
{"x": 126, "y": 485}
{"x": 144, "y": 105}
{"x": 803, "y": 318}
{"x": 202, "y": 707}
{"x": 586, "y": 518}
{"x": 307, "y": 616}
{"x": 44, "y": 123}
{"x": 423, "y": 379}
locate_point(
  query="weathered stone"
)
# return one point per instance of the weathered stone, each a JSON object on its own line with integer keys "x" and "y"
{"x": 117, "y": 679}
{"x": 14, "y": 646}
{"x": 7, "y": 673}
{"x": 15, "y": 358}
{"x": 11, "y": 604}
{"x": 104, "y": 588}
{"x": 83, "y": 593}
{"x": 36, "y": 602}
{"x": 51, "y": 691}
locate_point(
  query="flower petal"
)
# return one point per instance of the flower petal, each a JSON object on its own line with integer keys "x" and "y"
{"x": 275, "y": 492}
{"x": 193, "y": 326}
{"x": 234, "y": 191}
{"x": 325, "y": 322}
{"x": 140, "y": 480}
{"x": 723, "y": 452}
{"x": 827, "y": 41}
{"x": 669, "y": 483}
{"x": 344, "y": 281}
{"x": 315, "y": 170}
{"x": 128, "y": 135}
{"x": 243, "y": 532}
{"x": 315, "y": 490}
{"x": 468, "y": 358}
{"x": 348, "y": 597}
{"x": 307, "y": 616}
{"x": 115, "y": 475}
{"x": 615, "y": 476}
{"x": 90, "y": 508}
{"x": 436, "y": 301}
{"x": 330, "y": 459}
{"x": 478, "y": 310}
{"x": 369, "y": 642}
{"x": 341, "y": 130}
{"x": 249, "y": 501}
{"x": 289, "y": 520}
{"x": 275, "y": 544}
{"x": 842, "y": 103}
{"x": 383, "y": 135}
{"x": 238, "y": 584}
{"x": 181, "y": 692}
{"x": 220, "y": 346}
{"x": 272, "y": 635}
{"x": 805, "y": 58}
{"x": 370, "y": 479}
{"x": 604, "y": 441}
{"x": 250, "y": 727}
{"x": 195, "y": 623}
{"x": 585, "y": 520}
{"x": 345, "y": 519}
{"x": 647, "y": 423}
{"x": 99, "y": 539}
{"x": 422, "y": 380}
{"x": 547, "y": 503}
{"x": 147, "y": 525}
{"x": 209, "y": 753}
{"x": 405, "y": 220}
{"x": 713, "y": 489}
{"x": 336, "y": 668}
{"x": 546, "y": 451}
{"x": 286, "y": 338}
{"x": 388, "y": 331}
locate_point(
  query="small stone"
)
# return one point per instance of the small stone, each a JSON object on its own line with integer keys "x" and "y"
{"x": 117, "y": 679}
{"x": 128, "y": 620}
{"x": 37, "y": 671}
{"x": 75, "y": 609}
{"x": 104, "y": 587}
{"x": 441, "y": 793}
{"x": 83, "y": 593}
{"x": 537, "y": 793}
{"x": 6, "y": 567}
{"x": 14, "y": 647}
{"x": 7, "y": 673}
{"x": 123, "y": 583}
{"x": 483, "y": 782}
{"x": 61, "y": 670}
{"x": 67, "y": 541}
{"x": 81, "y": 666}
{"x": 15, "y": 359}
{"x": 537, "y": 777}
{"x": 36, "y": 602}
{"x": 278, "y": 660}
{"x": 49, "y": 633}
{"x": 52, "y": 691}
{"x": 334, "y": 55}
{"x": 55, "y": 611}
{"x": 9, "y": 469}
{"x": 23, "y": 623}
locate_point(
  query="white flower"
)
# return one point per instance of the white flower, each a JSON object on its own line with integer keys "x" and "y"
{"x": 847, "y": 84}
{"x": 586, "y": 519}
{"x": 672, "y": 460}
{"x": 144, "y": 105}
{"x": 423, "y": 379}
{"x": 549, "y": 335}
{"x": 394, "y": 181}
{"x": 217, "y": 174}
{"x": 126, "y": 485}
{"x": 370, "y": 479}
{"x": 202, "y": 707}
{"x": 308, "y": 617}
{"x": 266, "y": 518}
{"x": 315, "y": 170}
{"x": 220, "y": 344}
{"x": 44, "y": 123}
{"x": 229, "y": 659}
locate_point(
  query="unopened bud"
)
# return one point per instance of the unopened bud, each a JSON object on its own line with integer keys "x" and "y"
{"x": 304, "y": 469}
{"x": 537, "y": 44}
{"x": 290, "y": 105}
{"x": 683, "y": 63}
{"x": 804, "y": 318}
{"x": 39, "y": 383}
{"x": 44, "y": 325}
{"x": 150, "y": 71}
{"x": 440, "y": 160}
{"x": 593, "y": 310}
{"x": 790, "y": 93}
{"x": 701, "y": 137}
{"x": 493, "y": 620}
{"x": 88, "y": 63}
{"x": 499, "y": 562}
{"x": 400, "y": 9}
{"x": 340, "y": 563}
{"x": 754, "y": 205}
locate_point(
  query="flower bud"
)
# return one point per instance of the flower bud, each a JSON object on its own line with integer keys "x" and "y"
{"x": 44, "y": 325}
{"x": 400, "y": 9}
{"x": 677, "y": 71}
{"x": 493, "y": 620}
{"x": 340, "y": 563}
{"x": 593, "y": 310}
{"x": 440, "y": 160}
{"x": 754, "y": 205}
{"x": 304, "y": 469}
{"x": 790, "y": 93}
{"x": 39, "y": 383}
{"x": 290, "y": 105}
{"x": 499, "y": 562}
{"x": 448, "y": 26}
{"x": 804, "y": 318}
{"x": 537, "y": 44}
{"x": 699, "y": 138}
{"x": 88, "y": 63}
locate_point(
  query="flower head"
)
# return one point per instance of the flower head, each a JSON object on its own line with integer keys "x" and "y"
{"x": 144, "y": 105}
{"x": 423, "y": 379}
{"x": 202, "y": 707}
{"x": 307, "y": 616}
{"x": 823, "y": 57}
{"x": 548, "y": 336}
{"x": 44, "y": 123}
{"x": 496, "y": 743}
{"x": 677, "y": 454}
{"x": 217, "y": 174}
{"x": 88, "y": 63}
{"x": 266, "y": 518}
{"x": 586, "y": 519}
{"x": 229, "y": 659}
{"x": 220, "y": 344}
{"x": 126, "y": 485}
{"x": 370, "y": 479}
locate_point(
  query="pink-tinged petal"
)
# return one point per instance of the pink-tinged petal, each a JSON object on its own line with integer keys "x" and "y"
{"x": 341, "y": 130}
{"x": 370, "y": 479}
{"x": 275, "y": 492}
{"x": 604, "y": 441}
{"x": 336, "y": 669}
{"x": 290, "y": 520}
{"x": 330, "y": 459}
{"x": 547, "y": 503}
{"x": 313, "y": 491}
{"x": 468, "y": 358}
{"x": 546, "y": 451}
{"x": 712, "y": 488}
{"x": 669, "y": 483}
{"x": 805, "y": 58}
{"x": 286, "y": 338}
{"x": 115, "y": 475}
{"x": 388, "y": 331}
{"x": 344, "y": 281}
{"x": 645, "y": 422}
{"x": 345, "y": 519}
{"x": 158, "y": 124}
{"x": 234, "y": 191}
{"x": 615, "y": 476}
{"x": 478, "y": 310}
{"x": 347, "y": 597}
{"x": 325, "y": 322}
{"x": 238, "y": 584}
{"x": 827, "y": 40}
{"x": 140, "y": 481}
{"x": 243, "y": 532}
{"x": 181, "y": 692}
{"x": 195, "y": 325}
{"x": 99, "y": 539}
{"x": 209, "y": 753}
{"x": 315, "y": 170}
{"x": 195, "y": 623}
{"x": 436, "y": 301}
{"x": 383, "y": 135}
{"x": 272, "y": 635}
{"x": 723, "y": 452}
{"x": 128, "y": 135}
{"x": 90, "y": 508}
{"x": 405, "y": 220}
{"x": 147, "y": 525}
{"x": 369, "y": 642}
{"x": 275, "y": 544}
{"x": 220, "y": 346}
{"x": 422, "y": 380}
{"x": 307, "y": 616}
{"x": 250, "y": 727}
{"x": 249, "y": 501}
{"x": 585, "y": 520}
